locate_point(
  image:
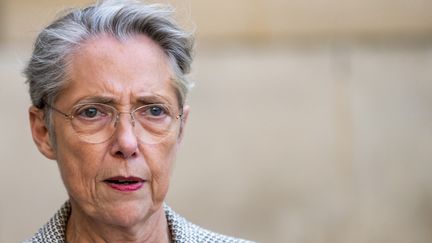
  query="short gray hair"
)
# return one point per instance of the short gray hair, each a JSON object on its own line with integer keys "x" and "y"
{"x": 122, "y": 19}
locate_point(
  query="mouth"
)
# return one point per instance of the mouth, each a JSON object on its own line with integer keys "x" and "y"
{"x": 125, "y": 184}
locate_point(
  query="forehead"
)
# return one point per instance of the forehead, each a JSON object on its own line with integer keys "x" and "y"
{"x": 121, "y": 70}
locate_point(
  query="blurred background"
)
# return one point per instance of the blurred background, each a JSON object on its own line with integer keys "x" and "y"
{"x": 311, "y": 121}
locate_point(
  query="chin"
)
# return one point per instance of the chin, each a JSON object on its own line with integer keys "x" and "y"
{"x": 129, "y": 214}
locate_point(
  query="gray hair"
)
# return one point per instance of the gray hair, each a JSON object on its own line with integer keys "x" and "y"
{"x": 122, "y": 19}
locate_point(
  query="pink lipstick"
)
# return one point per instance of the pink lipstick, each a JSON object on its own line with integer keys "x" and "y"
{"x": 125, "y": 184}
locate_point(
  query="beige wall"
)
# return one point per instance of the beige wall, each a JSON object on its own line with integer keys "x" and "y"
{"x": 257, "y": 20}
{"x": 311, "y": 122}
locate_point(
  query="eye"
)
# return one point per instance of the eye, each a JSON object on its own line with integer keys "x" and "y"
{"x": 152, "y": 111}
{"x": 92, "y": 111}
{"x": 156, "y": 110}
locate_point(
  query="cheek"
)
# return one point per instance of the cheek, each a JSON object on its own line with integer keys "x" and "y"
{"x": 160, "y": 159}
{"x": 79, "y": 165}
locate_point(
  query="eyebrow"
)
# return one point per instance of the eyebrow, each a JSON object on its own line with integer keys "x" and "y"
{"x": 141, "y": 100}
{"x": 152, "y": 99}
{"x": 98, "y": 99}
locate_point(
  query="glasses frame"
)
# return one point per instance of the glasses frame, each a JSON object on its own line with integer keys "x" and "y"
{"x": 69, "y": 116}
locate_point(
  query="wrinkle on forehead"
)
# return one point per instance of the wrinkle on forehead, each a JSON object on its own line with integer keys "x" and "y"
{"x": 124, "y": 70}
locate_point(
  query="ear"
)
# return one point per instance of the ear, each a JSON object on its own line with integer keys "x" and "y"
{"x": 186, "y": 110}
{"x": 40, "y": 132}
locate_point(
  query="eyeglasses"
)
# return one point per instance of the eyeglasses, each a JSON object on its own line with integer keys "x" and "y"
{"x": 96, "y": 122}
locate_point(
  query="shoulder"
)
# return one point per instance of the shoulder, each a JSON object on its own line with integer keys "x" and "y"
{"x": 183, "y": 231}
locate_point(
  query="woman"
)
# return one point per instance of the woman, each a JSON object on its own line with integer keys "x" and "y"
{"x": 108, "y": 87}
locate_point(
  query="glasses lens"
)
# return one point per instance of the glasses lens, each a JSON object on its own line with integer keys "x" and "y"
{"x": 96, "y": 123}
{"x": 93, "y": 122}
{"x": 155, "y": 122}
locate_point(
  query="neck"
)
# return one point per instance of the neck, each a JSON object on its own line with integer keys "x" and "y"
{"x": 81, "y": 228}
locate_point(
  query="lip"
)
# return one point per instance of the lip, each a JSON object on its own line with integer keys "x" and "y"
{"x": 125, "y": 184}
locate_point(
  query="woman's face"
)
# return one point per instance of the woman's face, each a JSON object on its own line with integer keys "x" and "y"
{"x": 122, "y": 74}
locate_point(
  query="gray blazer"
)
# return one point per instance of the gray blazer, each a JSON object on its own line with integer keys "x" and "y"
{"x": 182, "y": 231}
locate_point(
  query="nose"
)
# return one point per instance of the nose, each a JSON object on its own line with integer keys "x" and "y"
{"x": 125, "y": 143}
